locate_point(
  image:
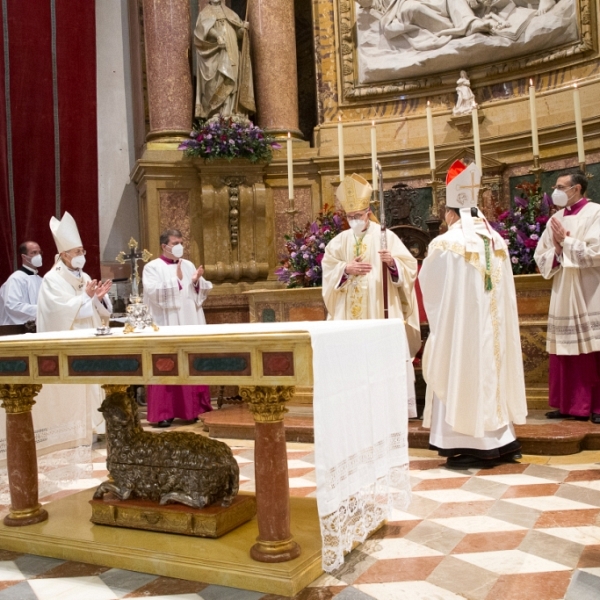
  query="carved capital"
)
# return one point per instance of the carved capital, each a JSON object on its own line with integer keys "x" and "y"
{"x": 18, "y": 398}
{"x": 267, "y": 404}
{"x": 114, "y": 389}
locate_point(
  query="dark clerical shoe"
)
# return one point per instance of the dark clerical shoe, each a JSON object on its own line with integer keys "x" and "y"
{"x": 165, "y": 423}
{"x": 556, "y": 414}
{"x": 596, "y": 418}
{"x": 464, "y": 461}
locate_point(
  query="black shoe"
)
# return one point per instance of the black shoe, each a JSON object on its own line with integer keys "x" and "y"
{"x": 596, "y": 418}
{"x": 165, "y": 423}
{"x": 556, "y": 414}
{"x": 464, "y": 461}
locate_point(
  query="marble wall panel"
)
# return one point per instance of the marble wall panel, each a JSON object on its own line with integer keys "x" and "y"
{"x": 175, "y": 214}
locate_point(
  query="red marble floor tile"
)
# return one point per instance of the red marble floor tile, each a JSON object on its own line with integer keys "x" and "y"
{"x": 462, "y": 509}
{"x": 394, "y": 529}
{"x": 167, "y": 586}
{"x": 302, "y": 492}
{"x": 426, "y": 464}
{"x": 590, "y": 558}
{"x": 9, "y": 555}
{"x": 526, "y": 586}
{"x": 400, "y": 569}
{"x": 299, "y": 472}
{"x": 587, "y": 475}
{"x": 490, "y": 541}
{"x": 529, "y": 491}
{"x": 6, "y": 584}
{"x": 100, "y": 474}
{"x": 569, "y": 518}
{"x": 72, "y": 569}
{"x": 441, "y": 484}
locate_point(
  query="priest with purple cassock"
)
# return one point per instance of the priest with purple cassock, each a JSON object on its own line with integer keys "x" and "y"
{"x": 175, "y": 290}
{"x": 472, "y": 362}
{"x": 569, "y": 254}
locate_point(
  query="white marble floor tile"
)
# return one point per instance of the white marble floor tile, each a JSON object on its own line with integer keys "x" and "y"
{"x": 436, "y": 474}
{"x": 516, "y": 479}
{"x": 407, "y": 590}
{"x": 588, "y": 535}
{"x": 505, "y": 562}
{"x": 10, "y": 572}
{"x": 477, "y": 524}
{"x": 300, "y": 482}
{"x": 299, "y": 464}
{"x": 71, "y": 588}
{"x": 397, "y": 548}
{"x": 452, "y": 495}
{"x": 241, "y": 460}
{"x": 546, "y": 503}
{"x": 399, "y": 515}
{"x": 590, "y": 485}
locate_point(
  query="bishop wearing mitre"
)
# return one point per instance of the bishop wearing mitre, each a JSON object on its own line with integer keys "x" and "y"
{"x": 472, "y": 362}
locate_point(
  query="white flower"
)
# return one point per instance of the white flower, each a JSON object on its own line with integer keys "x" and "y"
{"x": 514, "y": 260}
{"x": 534, "y": 236}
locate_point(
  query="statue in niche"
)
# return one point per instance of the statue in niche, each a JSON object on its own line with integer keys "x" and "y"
{"x": 465, "y": 97}
{"x": 224, "y": 73}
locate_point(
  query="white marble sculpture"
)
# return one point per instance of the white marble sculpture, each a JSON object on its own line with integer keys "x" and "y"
{"x": 399, "y": 39}
{"x": 465, "y": 97}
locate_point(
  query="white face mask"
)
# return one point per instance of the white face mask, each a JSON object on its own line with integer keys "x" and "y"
{"x": 78, "y": 262}
{"x": 36, "y": 261}
{"x": 357, "y": 226}
{"x": 177, "y": 250}
{"x": 560, "y": 198}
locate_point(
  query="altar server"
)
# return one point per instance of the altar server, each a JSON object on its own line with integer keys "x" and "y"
{"x": 569, "y": 254}
{"x": 19, "y": 293}
{"x": 472, "y": 361}
{"x": 175, "y": 290}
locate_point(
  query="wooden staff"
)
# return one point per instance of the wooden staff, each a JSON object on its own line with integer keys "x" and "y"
{"x": 383, "y": 237}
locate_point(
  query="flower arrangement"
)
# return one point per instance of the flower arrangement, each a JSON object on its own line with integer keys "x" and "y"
{"x": 306, "y": 247}
{"x": 523, "y": 224}
{"x": 232, "y": 137}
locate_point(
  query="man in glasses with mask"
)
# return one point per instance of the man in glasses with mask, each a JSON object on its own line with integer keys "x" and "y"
{"x": 569, "y": 253}
{"x": 19, "y": 294}
{"x": 175, "y": 290}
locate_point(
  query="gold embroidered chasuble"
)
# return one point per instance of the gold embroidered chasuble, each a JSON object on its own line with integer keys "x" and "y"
{"x": 574, "y": 316}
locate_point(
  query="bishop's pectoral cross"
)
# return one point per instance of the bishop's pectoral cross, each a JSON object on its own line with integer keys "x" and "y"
{"x": 133, "y": 257}
{"x": 474, "y": 186}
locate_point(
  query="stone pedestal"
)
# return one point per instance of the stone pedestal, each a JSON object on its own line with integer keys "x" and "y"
{"x": 274, "y": 542}
{"x": 21, "y": 456}
{"x": 167, "y": 37}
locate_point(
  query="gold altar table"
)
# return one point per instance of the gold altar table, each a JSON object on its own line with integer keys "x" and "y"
{"x": 266, "y": 361}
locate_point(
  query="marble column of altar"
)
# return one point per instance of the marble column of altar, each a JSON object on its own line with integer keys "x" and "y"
{"x": 167, "y": 39}
{"x": 272, "y": 33}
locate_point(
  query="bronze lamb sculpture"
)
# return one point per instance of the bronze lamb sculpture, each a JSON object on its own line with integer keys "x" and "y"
{"x": 163, "y": 467}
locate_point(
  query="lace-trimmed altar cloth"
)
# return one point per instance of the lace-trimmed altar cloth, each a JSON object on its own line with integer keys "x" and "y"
{"x": 363, "y": 383}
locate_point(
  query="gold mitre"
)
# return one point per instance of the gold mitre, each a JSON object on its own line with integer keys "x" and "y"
{"x": 354, "y": 193}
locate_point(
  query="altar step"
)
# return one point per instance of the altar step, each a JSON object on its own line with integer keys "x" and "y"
{"x": 539, "y": 436}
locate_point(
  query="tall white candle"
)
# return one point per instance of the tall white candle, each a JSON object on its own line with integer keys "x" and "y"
{"x": 533, "y": 114}
{"x": 430, "y": 141}
{"x": 341, "y": 148}
{"x": 373, "y": 155}
{"x": 476, "y": 140}
{"x": 578, "y": 125}
{"x": 290, "y": 166}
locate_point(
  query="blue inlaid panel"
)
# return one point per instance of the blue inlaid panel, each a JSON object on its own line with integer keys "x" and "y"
{"x": 229, "y": 364}
{"x": 105, "y": 365}
{"x": 14, "y": 366}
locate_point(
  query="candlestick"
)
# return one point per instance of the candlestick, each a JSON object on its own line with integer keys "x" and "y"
{"x": 430, "y": 141}
{"x": 341, "y": 148}
{"x": 373, "y": 155}
{"x": 533, "y": 114}
{"x": 290, "y": 166}
{"x": 476, "y": 140}
{"x": 578, "y": 125}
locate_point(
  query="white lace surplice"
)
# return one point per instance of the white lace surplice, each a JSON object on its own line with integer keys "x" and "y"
{"x": 361, "y": 394}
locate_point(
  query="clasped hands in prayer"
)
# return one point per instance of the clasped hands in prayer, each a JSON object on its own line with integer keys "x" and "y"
{"x": 559, "y": 233}
{"x": 357, "y": 267}
{"x": 195, "y": 277}
{"x": 97, "y": 288}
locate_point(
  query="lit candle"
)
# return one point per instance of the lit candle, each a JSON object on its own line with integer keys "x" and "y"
{"x": 533, "y": 114}
{"x": 476, "y": 141}
{"x": 430, "y": 137}
{"x": 290, "y": 165}
{"x": 578, "y": 125}
{"x": 341, "y": 148}
{"x": 373, "y": 155}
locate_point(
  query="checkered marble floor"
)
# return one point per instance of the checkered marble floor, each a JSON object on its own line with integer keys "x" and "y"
{"x": 518, "y": 531}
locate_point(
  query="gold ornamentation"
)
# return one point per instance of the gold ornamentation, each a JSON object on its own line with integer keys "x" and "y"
{"x": 266, "y": 403}
{"x": 18, "y": 398}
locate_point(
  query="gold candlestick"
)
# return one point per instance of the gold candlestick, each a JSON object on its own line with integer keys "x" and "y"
{"x": 582, "y": 168}
{"x": 536, "y": 169}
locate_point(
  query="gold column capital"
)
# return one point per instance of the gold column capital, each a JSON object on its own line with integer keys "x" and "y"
{"x": 110, "y": 388}
{"x": 266, "y": 403}
{"x": 18, "y": 398}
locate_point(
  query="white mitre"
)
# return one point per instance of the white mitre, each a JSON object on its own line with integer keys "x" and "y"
{"x": 462, "y": 185}
{"x": 65, "y": 232}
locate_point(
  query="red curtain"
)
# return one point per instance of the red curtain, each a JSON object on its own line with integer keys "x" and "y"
{"x": 33, "y": 114}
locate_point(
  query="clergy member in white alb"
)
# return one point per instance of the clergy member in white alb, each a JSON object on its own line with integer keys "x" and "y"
{"x": 569, "y": 254}
{"x": 175, "y": 290}
{"x": 19, "y": 293}
{"x": 472, "y": 362}
{"x": 70, "y": 299}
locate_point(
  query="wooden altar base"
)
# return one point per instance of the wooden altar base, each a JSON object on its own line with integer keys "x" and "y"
{"x": 68, "y": 534}
{"x": 539, "y": 436}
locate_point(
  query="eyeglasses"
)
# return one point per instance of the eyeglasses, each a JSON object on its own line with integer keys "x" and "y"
{"x": 562, "y": 188}
{"x": 356, "y": 215}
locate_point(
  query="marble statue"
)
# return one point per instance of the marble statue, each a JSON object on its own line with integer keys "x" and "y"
{"x": 465, "y": 97}
{"x": 224, "y": 73}
{"x": 398, "y": 39}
